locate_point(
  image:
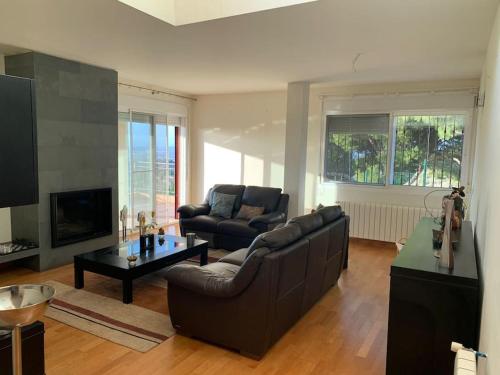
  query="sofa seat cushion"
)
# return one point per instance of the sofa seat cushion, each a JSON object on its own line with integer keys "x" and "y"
{"x": 236, "y": 227}
{"x": 236, "y": 257}
{"x": 226, "y": 270}
{"x": 204, "y": 223}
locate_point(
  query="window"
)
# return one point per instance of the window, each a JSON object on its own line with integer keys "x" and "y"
{"x": 426, "y": 149}
{"x": 147, "y": 146}
{"x": 356, "y": 148}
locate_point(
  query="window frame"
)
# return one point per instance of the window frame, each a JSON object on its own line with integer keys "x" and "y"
{"x": 467, "y": 158}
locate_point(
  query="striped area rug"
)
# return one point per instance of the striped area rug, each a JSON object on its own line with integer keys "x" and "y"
{"x": 124, "y": 324}
{"x": 128, "y": 325}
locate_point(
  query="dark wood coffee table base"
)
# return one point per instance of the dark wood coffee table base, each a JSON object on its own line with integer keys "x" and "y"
{"x": 127, "y": 275}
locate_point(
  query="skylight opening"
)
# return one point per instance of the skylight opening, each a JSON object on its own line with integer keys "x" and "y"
{"x": 183, "y": 12}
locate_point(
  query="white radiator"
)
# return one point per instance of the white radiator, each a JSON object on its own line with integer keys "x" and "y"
{"x": 381, "y": 222}
{"x": 465, "y": 360}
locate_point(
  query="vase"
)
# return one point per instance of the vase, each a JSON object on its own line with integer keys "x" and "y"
{"x": 146, "y": 241}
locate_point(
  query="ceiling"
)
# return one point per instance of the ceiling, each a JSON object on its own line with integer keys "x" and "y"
{"x": 340, "y": 41}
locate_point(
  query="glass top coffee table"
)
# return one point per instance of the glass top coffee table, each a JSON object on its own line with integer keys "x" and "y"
{"x": 112, "y": 261}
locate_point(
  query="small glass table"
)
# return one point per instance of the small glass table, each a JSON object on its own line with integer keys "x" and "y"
{"x": 112, "y": 261}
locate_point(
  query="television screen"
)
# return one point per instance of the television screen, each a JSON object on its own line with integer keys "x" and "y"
{"x": 18, "y": 145}
{"x": 80, "y": 215}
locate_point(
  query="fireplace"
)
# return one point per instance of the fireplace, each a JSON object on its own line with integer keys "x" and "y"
{"x": 80, "y": 215}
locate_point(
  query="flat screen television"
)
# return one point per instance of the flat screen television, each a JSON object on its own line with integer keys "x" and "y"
{"x": 18, "y": 145}
{"x": 80, "y": 215}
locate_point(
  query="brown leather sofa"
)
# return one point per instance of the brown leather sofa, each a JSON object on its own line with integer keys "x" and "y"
{"x": 234, "y": 233}
{"x": 250, "y": 298}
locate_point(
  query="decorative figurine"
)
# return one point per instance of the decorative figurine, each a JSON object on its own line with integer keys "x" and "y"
{"x": 123, "y": 219}
{"x": 458, "y": 212}
{"x": 446, "y": 258}
{"x": 141, "y": 219}
{"x": 161, "y": 236}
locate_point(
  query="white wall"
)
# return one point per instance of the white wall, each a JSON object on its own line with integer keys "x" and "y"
{"x": 237, "y": 139}
{"x": 485, "y": 207}
{"x": 5, "y": 231}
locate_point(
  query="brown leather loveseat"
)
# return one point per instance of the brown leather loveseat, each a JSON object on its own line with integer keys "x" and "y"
{"x": 234, "y": 233}
{"x": 250, "y": 298}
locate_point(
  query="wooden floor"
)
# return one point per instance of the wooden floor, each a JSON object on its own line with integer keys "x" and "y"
{"x": 345, "y": 333}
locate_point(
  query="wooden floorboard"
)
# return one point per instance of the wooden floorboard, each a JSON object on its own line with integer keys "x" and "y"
{"x": 344, "y": 333}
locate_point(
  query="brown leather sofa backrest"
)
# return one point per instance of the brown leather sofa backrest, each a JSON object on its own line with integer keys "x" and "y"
{"x": 319, "y": 241}
{"x": 330, "y": 213}
{"x": 290, "y": 263}
{"x": 307, "y": 223}
{"x": 236, "y": 190}
{"x": 258, "y": 196}
{"x": 276, "y": 239}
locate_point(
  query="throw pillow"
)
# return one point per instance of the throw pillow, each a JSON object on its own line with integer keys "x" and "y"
{"x": 222, "y": 205}
{"x": 248, "y": 212}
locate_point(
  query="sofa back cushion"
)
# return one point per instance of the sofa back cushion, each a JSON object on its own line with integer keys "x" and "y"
{"x": 276, "y": 239}
{"x": 266, "y": 197}
{"x": 236, "y": 190}
{"x": 308, "y": 223}
{"x": 330, "y": 213}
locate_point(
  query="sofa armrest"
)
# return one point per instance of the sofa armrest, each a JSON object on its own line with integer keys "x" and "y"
{"x": 217, "y": 279}
{"x": 192, "y": 210}
{"x": 283, "y": 204}
{"x": 263, "y": 221}
{"x": 200, "y": 280}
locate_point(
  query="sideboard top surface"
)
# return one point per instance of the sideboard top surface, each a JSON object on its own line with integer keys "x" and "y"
{"x": 417, "y": 257}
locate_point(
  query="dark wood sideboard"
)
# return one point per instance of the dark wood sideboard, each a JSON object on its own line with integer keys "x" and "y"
{"x": 431, "y": 306}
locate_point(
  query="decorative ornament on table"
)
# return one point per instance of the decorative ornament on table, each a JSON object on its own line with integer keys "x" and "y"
{"x": 446, "y": 258}
{"x": 458, "y": 213}
{"x": 146, "y": 237}
{"x": 161, "y": 236}
{"x": 123, "y": 219}
{"x": 131, "y": 260}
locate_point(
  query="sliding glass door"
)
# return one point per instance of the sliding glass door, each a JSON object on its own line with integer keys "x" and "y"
{"x": 165, "y": 177}
{"x": 147, "y": 165}
{"x": 141, "y": 164}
